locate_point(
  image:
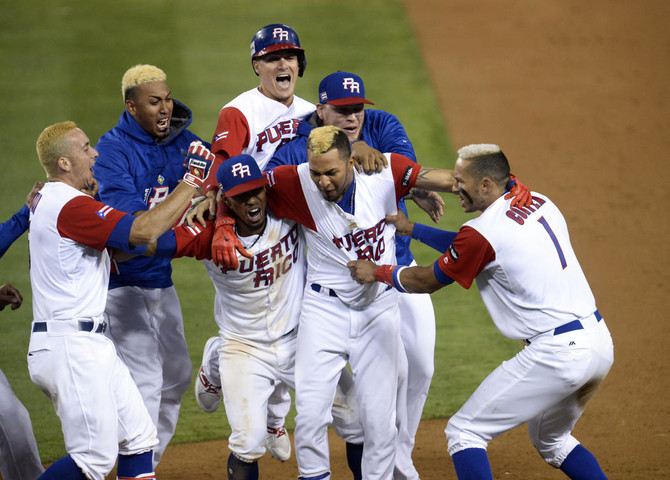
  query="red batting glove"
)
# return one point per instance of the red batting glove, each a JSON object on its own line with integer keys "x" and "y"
{"x": 521, "y": 196}
{"x": 225, "y": 244}
{"x": 198, "y": 162}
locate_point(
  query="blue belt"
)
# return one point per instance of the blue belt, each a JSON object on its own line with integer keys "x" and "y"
{"x": 569, "y": 327}
{"x": 574, "y": 325}
{"x": 84, "y": 326}
{"x": 318, "y": 289}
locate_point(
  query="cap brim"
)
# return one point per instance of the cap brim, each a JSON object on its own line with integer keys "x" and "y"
{"x": 246, "y": 187}
{"x": 348, "y": 101}
{"x": 278, "y": 46}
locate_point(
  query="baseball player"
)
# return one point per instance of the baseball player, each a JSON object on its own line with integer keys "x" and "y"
{"x": 101, "y": 410}
{"x": 256, "y": 123}
{"x": 19, "y": 456}
{"x": 343, "y": 215}
{"x": 342, "y": 100}
{"x": 257, "y": 306}
{"x": 534, "y": 289}
{"x": 140, "y": 165}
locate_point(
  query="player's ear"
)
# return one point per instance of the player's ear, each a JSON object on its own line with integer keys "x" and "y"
{"x": 130, "y": 107}
{"x": 319, "y": 111}
{"x": 64, "y": 164}
{"x": 254, "y": 65}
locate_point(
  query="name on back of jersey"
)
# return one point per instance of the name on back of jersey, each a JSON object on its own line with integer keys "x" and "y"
{"x": 520, "y": 214}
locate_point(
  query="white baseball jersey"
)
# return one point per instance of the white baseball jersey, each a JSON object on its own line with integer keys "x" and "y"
{"x": 529, "y": 277}
{"x": 257, "y": 125}
{"x": 261, "y": 299}
{"x": 335, "y": 237}
{"x": 78, "y": 368}
{"x": 69, "y": 266}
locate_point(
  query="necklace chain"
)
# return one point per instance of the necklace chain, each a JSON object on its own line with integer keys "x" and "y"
{"x": 258, "y": 236}
{"x": 349, "y": 217}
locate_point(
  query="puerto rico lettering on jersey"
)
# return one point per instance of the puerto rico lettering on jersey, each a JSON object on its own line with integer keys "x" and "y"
{"x": 271, "y": 263}
{"x": 368, "y": 243}
{"x": 277, "y": 134}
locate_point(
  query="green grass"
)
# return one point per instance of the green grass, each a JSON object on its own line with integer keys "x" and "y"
{"x": 64, "y": 60}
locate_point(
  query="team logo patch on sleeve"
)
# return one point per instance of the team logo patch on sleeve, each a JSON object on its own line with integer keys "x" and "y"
{"x": 406, "y": 176}
{"x": 453, "y": 253}
{"x": 221, "y": 136}
{"x": 102, "y": 213}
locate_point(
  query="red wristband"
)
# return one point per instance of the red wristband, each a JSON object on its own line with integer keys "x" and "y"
{"x": 384, "y": 274}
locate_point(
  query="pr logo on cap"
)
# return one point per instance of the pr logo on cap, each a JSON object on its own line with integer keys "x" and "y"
{"x": 240, "y": 174}
{"x": 342, "y": 88}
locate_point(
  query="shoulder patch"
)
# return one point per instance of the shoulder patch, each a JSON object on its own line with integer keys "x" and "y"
{"x": 36, "y": 200}
{"x": 453, "y": 253}
{"x": 102, "y": 213}
{"x": 406, "y": 176}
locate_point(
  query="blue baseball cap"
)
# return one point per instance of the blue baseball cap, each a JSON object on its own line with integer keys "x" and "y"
{"x": 239, "y": 174}
{"x": 342, "y": 88}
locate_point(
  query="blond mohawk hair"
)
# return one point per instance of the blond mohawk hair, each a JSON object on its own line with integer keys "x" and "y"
{"x": 51, "y": 145}
{"x": 324, "y": 139}
{"x": 139, "y": 74}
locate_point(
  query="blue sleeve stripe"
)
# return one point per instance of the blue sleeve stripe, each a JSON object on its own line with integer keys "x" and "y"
{"x": 166, "y": 246}
{"x": 119, "y": 236}
{"x": 441, "y": 277}
{"x": 433, "y": 237}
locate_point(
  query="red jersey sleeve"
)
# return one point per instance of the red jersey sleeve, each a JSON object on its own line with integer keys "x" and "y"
{"x": 467, "y": 256}
{"x": 88, "y": 221}
{"x": 230, "y": 138}
{"x": 194, "y": 241}
{"x": 232, "y": 133}
{"x": 404, "y": 172}
{"x": 285, "y": 195}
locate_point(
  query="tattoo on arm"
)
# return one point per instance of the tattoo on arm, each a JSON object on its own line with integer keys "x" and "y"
{"x": 423, "y": 173}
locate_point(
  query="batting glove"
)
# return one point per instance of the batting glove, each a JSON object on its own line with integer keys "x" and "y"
{"x": 225, "y": 244}
{"x": 518, "y": 192}
{"x": 198, "y": 161}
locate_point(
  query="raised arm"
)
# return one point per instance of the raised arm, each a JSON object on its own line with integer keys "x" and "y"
{"x": 435, "y": 179}
{"x": 150, "y": 225}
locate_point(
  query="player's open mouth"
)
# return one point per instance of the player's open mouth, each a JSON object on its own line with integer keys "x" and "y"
{"x": 163, "y": 123}
{"x": 255, "y": 215}
{"x": 283, "y": 80}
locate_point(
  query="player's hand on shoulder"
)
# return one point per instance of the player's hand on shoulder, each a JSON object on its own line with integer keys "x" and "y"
{"x": 518, "y": 192}
{"x": 201, "y": 211}
{"x": 402, "y": 224}
{"x": 92, "y": 189}
{"x": 430, "y": 202}
{"x": 31, "y": 195}
{"x": 367, "y": 159}
{"x": 225, "y": 244}
{"x": 10, "y": 295}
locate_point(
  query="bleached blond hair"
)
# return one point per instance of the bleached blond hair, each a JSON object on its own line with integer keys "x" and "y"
{"x": 324, "y": 139}
{"x": 139, "y": 74}
{"x": 51, "y": 145}
{"x": 486, "y": 160}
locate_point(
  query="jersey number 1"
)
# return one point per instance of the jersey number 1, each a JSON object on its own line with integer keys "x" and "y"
{"x": 559, "y": 250}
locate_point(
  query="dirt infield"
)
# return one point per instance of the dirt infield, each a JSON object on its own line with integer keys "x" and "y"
{"x": 577, "y": 94}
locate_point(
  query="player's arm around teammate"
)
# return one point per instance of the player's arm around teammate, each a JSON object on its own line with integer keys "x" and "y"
{"x": 102, "y": 413}
{"x": 534, "y": 289}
